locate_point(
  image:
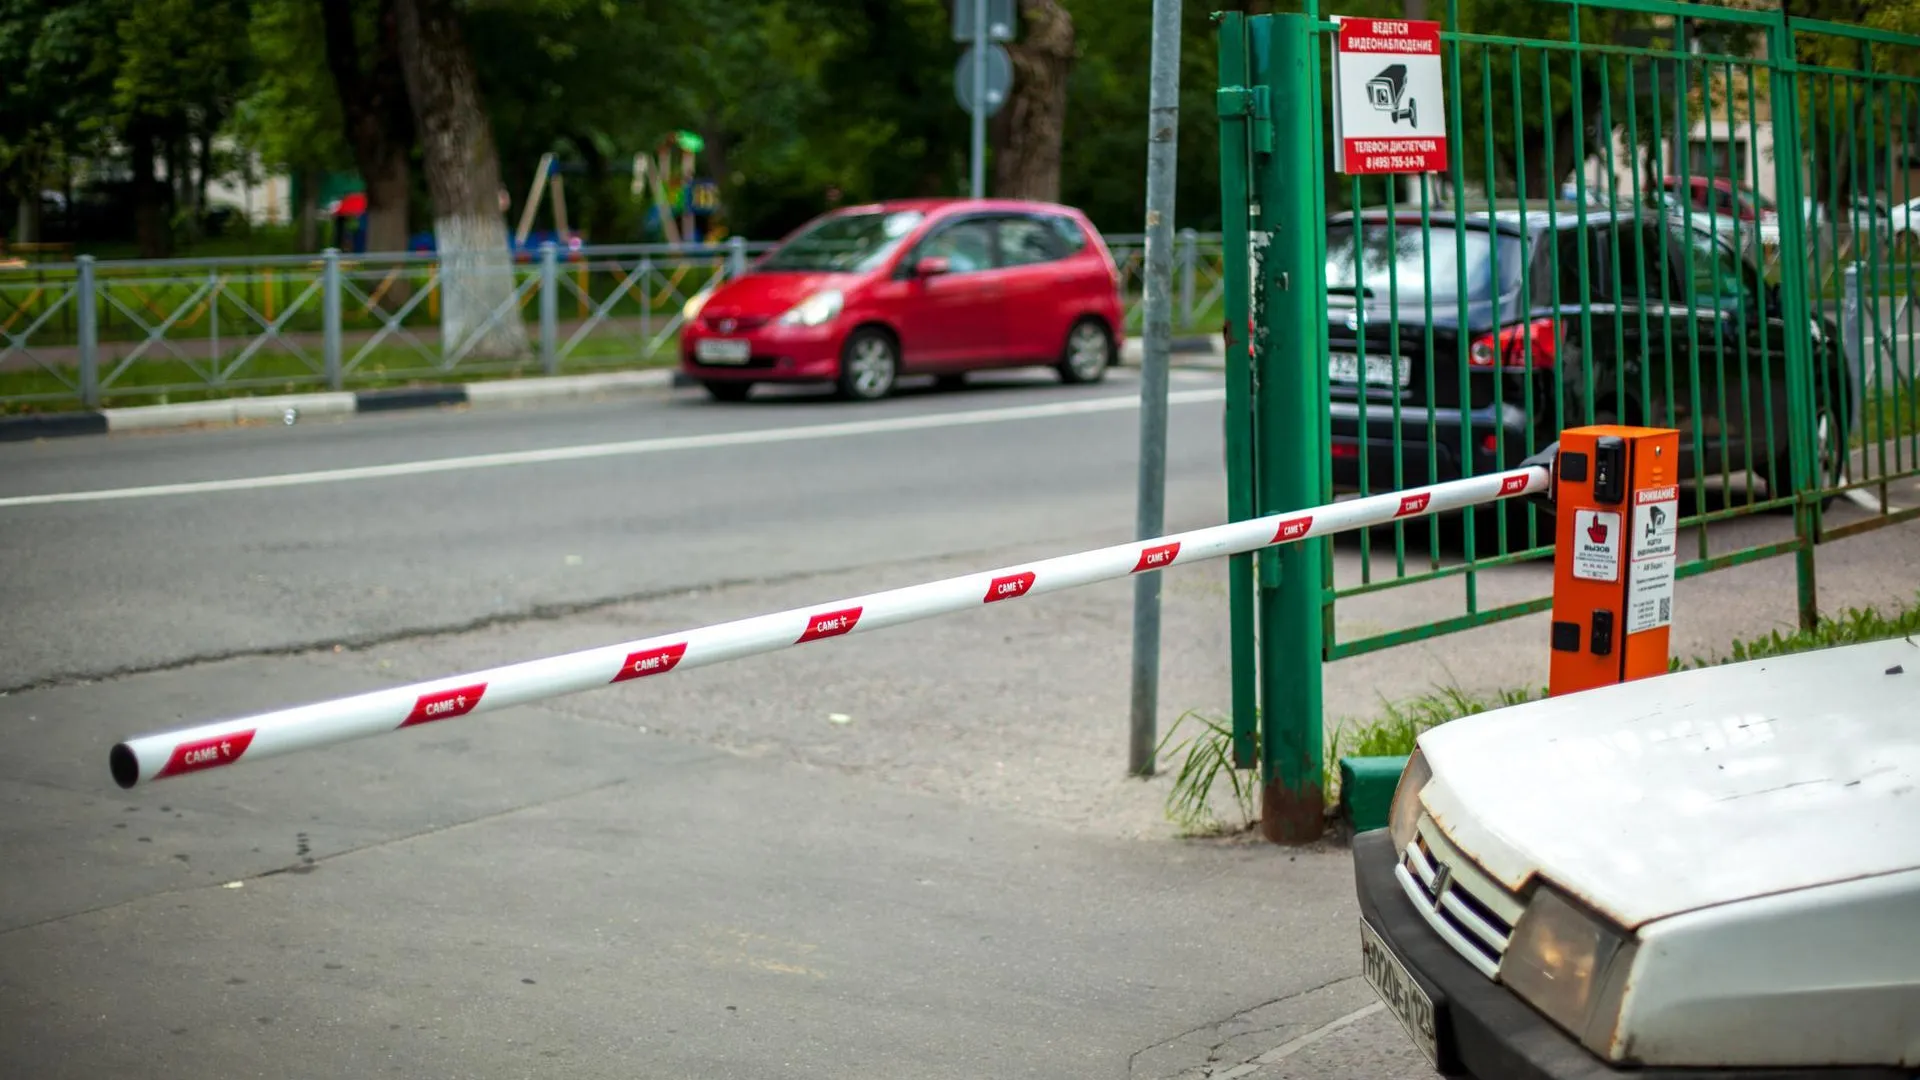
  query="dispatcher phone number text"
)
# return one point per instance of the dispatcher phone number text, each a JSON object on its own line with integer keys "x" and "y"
{"x": 1416, "y": 162}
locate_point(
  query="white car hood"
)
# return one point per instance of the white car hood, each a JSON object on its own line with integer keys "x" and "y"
{"x": 1705, "y": 787}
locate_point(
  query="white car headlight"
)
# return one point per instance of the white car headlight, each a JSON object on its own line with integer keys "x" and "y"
{"x": 1570, "y": 965}
{"x": 816, "y": 310}
{"x": 695, "y": 303}
{"x": 1404, "y": 815}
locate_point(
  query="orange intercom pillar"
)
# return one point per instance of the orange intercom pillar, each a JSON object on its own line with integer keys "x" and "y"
{"x": 1616, "y": 507}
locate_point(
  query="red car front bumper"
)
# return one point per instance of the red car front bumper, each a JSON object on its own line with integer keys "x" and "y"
{"x": 775, "y": 353}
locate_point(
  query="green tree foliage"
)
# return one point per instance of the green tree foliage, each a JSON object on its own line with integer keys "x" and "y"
{"x": 805, "y": 102}
{"x": 290, "y": 115}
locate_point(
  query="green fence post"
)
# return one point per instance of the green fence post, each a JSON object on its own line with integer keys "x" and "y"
{"x": 1239, "y": 110}
{"x": 549, "y": 308}
{"x": 1290, "y": 361}
{"x": 1793, "y": 303}
{"x": 86, "y": 299}
{"x": 330, "y": 317}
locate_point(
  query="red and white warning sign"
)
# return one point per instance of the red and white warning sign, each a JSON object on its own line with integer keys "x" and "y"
{"x": 1596, "y": 545}
{"x": 1656, "y": 527}
{"x": 1389, "y": 106}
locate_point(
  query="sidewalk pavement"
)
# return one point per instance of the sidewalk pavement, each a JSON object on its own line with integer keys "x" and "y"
{"x": 1201, "y": 353}
{"x": 291, "y": 408}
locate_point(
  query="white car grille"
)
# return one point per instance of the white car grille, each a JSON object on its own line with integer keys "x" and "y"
{"x": 1464, "y": 906}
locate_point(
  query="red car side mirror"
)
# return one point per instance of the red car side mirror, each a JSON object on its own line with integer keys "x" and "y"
{"x": 932, "y": 267}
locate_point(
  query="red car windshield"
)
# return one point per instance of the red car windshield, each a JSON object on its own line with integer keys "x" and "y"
{"x": 844, "y": 243}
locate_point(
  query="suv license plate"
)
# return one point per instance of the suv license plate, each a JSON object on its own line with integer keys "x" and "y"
{"x": 1344, "y": 367}
{"x": 1403, "y": 997}
{"x": 723, "y": 350}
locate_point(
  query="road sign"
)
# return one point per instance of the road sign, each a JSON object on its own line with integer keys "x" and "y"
{"x": 1000, "y": 21}
{"x": 1389, "y": 112}
{"x": 999, "y": 79}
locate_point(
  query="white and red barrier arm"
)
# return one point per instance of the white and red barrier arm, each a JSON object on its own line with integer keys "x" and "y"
{"x": 172, "y": 753}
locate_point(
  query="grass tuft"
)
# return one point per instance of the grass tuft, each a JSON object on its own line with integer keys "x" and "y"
{"x": 1206, "y": 754}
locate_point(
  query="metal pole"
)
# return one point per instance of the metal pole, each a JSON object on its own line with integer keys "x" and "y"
{"x": 1163, "y": 126}
{"x": 978, "y": 182}
{"x": 549, "y": 307}
{"x": 736, "y": 256}
{"x": 330, "y": 315}
{"x": 89, "y": 336}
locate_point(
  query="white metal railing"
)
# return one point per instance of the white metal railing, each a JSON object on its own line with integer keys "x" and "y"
{"x": 88, "y": 330}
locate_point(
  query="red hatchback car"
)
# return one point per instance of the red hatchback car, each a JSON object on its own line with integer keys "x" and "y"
{"x": 867, "y": 294}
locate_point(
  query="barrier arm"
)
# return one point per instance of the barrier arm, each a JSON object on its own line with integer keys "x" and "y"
{"x": 173, "y": 753}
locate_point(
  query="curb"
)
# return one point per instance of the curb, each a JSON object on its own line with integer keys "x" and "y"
{"x": 1187, "y": 352}
{"x": 1366, "y": 789}
{"x": 255, "y": 409}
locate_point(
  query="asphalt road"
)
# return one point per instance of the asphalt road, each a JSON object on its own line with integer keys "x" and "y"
{"x": 135, "y": 583}
{"x": 900, "y": 854}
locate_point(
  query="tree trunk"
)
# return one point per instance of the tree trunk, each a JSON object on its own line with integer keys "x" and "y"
{"x": 149, "y": 208}
{"x": 1030, "y": 129}
{"x": 307, "y": 215}
{"x": 379, "y": 123}
{"x": 27, "y": 223}
{"x": 179, "y": 157}
{"x": 203, "y": 175}
{"x": 479, "y": 314}
{"x": 28, "y": 180}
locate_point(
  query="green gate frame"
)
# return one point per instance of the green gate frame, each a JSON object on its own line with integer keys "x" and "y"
{"x": 1273, "y": 197}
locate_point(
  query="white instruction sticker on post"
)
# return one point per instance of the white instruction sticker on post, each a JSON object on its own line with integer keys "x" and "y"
{"x": 1596, "y": 545}
{"x": 1656, "y": 528}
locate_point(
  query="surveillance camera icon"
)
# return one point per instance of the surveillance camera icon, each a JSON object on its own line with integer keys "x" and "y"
{"x": 1385, "y": 91}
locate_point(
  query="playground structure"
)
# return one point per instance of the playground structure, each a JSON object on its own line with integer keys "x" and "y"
{"x": 680, "y": 203}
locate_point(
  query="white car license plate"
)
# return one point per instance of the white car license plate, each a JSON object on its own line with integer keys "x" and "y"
{"x": 723, "y": 350}
{"x": 1381, "y": 370}
{"x": 1403, "y": 997}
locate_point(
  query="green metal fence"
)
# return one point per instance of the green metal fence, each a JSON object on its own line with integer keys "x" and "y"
{"x": 1653, "y": 212}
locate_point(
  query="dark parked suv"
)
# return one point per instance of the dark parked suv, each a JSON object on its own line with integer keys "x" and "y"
{"x": 1676, "y": 330}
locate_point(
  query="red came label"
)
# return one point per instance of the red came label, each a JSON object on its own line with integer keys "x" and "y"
{"x": 1513, "y": 485}
{"x": 646, "y": 662}
{"x": 1413, "y": 504}
{"x": 1006, "y": 588}
{"x": 1293, "y": 529}
{"x": 1154, "y": 558}
{"x": 207, "y": 753}
{"x": 445, "y": 705}
{"x": 830, "y": 624}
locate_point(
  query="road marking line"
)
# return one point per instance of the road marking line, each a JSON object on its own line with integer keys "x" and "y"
{"x": 844, "y": 429}
{"x": 1300, "y": 1042}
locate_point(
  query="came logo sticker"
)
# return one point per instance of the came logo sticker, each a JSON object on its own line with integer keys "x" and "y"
{"x": 1154, "y": 558}
{"x": 1413, "y": 504}
{"x": 1293, "y": 529}
{"x": 207, "y": 753}
{"x": 445, "y": 705}
{"x": 830, "y": 624}
{"x": 1513, "y": 485}
{"x": 1009, "y": 587}
{"x": 657, "y": 661}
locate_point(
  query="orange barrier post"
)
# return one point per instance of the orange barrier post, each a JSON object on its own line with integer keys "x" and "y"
{"x": 1616, "y": 496}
